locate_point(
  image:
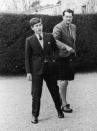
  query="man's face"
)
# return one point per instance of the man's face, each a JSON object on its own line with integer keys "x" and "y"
{"x": 67, "y": 18}
{"x": 38, "y": 28}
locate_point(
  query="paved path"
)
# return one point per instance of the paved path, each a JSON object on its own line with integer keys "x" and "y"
{"x": 15, "y": 106}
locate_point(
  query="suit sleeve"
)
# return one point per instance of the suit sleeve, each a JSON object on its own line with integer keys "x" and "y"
{"x": 27, "y": 56}
{"x": 57, "y": 33}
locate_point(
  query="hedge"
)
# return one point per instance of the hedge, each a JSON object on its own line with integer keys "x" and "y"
{"x": 14, "y": 28}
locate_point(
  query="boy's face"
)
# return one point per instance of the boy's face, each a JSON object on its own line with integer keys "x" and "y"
{"x": 38, "y": 28}
{"x": 67, "y": 17}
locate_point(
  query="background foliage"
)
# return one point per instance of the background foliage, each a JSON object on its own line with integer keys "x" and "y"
{"x": 15, "y": 28}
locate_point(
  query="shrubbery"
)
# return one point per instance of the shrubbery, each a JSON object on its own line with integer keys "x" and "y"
{"x": 15, "y": 28}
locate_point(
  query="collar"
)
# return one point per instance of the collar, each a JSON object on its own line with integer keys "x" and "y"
{"x": 66, "y": 25}
{"x": 37, "y": 35}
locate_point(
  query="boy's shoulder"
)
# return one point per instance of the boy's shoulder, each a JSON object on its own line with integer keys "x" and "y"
{"x": 30, "y": 37}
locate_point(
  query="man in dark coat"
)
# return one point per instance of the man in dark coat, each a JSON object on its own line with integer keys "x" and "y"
{"x": 65, "y": 35}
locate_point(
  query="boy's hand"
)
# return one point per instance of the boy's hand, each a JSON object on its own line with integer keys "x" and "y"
{"x": 29, "y": 77}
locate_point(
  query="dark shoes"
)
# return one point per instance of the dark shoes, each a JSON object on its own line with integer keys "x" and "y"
{"x": 60, "y": 114}
{"x": 34, "y": 120}
{"x": 67, "y": 109}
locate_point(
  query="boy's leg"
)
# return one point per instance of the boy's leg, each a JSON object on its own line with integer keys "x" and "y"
{"x": 36, "y": 90}
{"x": 54, "y": 91}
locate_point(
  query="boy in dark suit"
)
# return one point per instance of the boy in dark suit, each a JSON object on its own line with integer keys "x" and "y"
{"x": 38, "y": 53}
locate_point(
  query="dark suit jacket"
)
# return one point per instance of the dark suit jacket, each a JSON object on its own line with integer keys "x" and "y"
{"x": 61, "y": 33}
{"x": 35, "y": 55}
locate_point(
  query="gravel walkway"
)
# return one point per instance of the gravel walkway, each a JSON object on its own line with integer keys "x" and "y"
{"x": 15, "y": 106}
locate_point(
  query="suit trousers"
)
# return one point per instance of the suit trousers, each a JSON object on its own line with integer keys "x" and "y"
{"x": 36, "y": 90}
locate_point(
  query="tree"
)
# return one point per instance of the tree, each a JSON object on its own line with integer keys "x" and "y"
{"x": 35, "y": 5}
{"x": 59, "y": 2}
{"x": 22, "y": 5}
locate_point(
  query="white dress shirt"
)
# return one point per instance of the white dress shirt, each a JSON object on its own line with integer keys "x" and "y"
{"x": 40, "y": 41}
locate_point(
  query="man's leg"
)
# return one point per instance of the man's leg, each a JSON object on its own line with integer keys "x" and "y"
{"x": 63, "y": 90}
{"x": 63, "y": 94}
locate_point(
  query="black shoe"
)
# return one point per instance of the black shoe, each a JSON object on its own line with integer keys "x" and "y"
{"x": 67, "y": 108}
{"x": 34, "y": 120}
{"x": 60, "y": 114}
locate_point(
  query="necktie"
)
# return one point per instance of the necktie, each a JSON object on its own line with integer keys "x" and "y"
{"x": 40, "y": 40}
{"x": 40, "y": 37}
{"x": 68, "y": 28}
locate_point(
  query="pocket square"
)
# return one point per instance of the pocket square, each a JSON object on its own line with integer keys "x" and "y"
{"x": 49, "y": 43}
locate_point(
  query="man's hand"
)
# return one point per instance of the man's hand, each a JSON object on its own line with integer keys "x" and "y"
{"x": 72, "y": 51}
{"x": 29, "y": 77}
{"x": 69, "y": 49}
{"x": 62, "y": 45}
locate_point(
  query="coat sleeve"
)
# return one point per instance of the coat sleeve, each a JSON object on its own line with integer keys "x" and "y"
{"x": 57, "y": 33}
{"x": 27, "y": 56}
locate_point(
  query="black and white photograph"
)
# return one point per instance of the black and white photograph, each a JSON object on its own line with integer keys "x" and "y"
{"x": 48, "y": 65}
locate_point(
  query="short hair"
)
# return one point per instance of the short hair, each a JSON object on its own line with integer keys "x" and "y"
{"x": 34, "y": 21}
{"x": 69, "y": 11}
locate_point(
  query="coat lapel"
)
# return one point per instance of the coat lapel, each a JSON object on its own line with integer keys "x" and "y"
{"x": 45, "y": 42}
{"x": 71, "y": 33}
{"x": 65, "y": 29}
{"x": 37, "y": 43}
